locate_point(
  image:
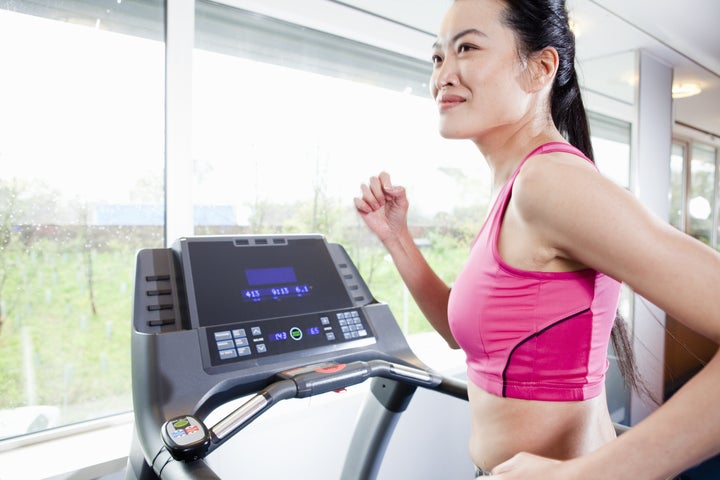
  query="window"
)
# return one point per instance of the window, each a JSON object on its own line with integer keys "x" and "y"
{"x": 81, "y": 156}
{"x": 702, "y": 192}
{"x": 285, "y": 132}
{"x": 677, "y": 185}
{"x": 287, "y": 122}
{"x": 694, "y": 190}
{"x": 611, "y": 144}
{"x": 694, "y": 210}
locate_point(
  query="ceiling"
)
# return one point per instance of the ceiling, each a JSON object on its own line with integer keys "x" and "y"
{"x": 682, "y": 34}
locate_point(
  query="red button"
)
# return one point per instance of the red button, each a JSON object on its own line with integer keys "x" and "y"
{"x": 331, "y": 369}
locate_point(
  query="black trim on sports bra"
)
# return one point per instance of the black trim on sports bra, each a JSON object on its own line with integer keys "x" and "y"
{"x": 527, "y": 339}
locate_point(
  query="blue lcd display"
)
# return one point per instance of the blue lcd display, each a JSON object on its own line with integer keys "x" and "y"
{"x": 275, "y": 293}
{"x": 268, "y": 276}
{"x": 245, "y": 284}
{"x": 295, "y": 334}
{"x": 277, "y": 336}
{"x": 277, "y": 283}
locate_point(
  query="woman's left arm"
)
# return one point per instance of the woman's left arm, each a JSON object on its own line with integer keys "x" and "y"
{"x": 587, "y": 218}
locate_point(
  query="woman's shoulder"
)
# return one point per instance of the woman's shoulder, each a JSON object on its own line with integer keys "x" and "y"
{"x": 547, "y": 178}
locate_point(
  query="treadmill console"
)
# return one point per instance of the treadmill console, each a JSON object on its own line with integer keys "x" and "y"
{"x": 253, "y": 300}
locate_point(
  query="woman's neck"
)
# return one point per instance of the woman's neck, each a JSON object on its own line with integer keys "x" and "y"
{"x": 505, "y": 148}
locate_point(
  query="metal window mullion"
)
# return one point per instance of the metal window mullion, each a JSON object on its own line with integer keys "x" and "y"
{"x": 686, "y": 186}
{"x": 179, "y": 43}
{"x": 716, "y": 202}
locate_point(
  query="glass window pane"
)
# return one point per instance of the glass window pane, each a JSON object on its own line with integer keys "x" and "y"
{"x": 677, "y": 186}
{"x": 81, "y": 156}
{"x": 282, "y": 142}
{"x": 611, "y": 145}
{"x": 701, "y": 198}
{"x": 717, "y": 202}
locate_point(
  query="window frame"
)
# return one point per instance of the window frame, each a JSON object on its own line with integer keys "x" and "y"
{"x": 687, "y": 138}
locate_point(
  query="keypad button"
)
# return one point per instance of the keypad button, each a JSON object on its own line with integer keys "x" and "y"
{"x": 228, "y": 354}
{"x": 225, "y": 344}
{"x": 223, "y": 335}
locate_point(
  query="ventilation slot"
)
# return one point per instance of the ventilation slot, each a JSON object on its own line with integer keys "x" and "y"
{"x": 157, "y": 278}
{"x": 161, "y": 322}
{"x": 157, "y": 293}
{"x": 250, "y": 242}
{"x": 155, "y": 308}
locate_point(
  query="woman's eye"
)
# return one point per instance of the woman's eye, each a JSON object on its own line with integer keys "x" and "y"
{"x": 465, "y": 48}
{"x": 436, "y": 59}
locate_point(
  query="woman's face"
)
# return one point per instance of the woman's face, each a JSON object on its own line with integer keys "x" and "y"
{"x": 478, "y": 79}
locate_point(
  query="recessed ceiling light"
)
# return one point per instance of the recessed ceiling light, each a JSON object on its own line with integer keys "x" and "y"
{"x": 684, "y": 90}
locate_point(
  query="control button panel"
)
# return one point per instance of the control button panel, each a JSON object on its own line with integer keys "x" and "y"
{"x": 351, "y": 325}
{"x": 238, "y": 342}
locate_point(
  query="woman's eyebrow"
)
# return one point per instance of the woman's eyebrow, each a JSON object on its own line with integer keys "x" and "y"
{"x": 459, "y": 35}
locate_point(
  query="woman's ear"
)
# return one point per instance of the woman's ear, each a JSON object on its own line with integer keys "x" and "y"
{"x": 542, "y": 67}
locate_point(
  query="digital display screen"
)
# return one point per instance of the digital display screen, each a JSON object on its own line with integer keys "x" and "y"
{"x": 266, "y": 276}
{"x": 247, "y": 283}
{"x": 276, "y": 282}
{"x": 293, "y": 334}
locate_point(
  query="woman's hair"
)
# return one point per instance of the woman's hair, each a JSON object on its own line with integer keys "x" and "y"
{"x": 538, "y": 24}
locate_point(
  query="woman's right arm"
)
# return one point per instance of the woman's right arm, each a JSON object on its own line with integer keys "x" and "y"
{"x": 384, "y": 207}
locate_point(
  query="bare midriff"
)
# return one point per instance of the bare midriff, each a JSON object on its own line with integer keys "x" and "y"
{"x": 502, "y": 427}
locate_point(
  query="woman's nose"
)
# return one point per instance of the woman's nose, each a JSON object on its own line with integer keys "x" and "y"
{"x": 445, "y": 75}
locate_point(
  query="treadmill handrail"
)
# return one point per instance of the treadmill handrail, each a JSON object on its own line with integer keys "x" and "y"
{"x": 250, "y": 410}
{"x": 306, "y": 382}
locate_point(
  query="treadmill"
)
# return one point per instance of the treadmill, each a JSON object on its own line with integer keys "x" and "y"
{"x": 265, "y": 318}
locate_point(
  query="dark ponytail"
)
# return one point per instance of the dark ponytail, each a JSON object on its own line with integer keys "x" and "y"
{"x": 622, "y": 344}
{"x": 568, "y": 113}
{"x": 539, "y": 24}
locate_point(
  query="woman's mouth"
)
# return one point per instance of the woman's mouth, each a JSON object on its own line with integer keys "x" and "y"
{"x": 447, "y": 101}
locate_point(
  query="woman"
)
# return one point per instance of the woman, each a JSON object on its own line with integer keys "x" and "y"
{"x": 534, "y": 305}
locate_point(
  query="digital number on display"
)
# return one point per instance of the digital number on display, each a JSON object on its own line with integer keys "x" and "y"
{"x": 295, "y": 333}
{"x": 275, "y": 293}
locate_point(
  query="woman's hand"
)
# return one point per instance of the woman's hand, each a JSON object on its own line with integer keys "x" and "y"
{"x": 383, "y": 207}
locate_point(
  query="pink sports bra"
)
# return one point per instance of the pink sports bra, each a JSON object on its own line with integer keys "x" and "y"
{"x": 531, "y": 335}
